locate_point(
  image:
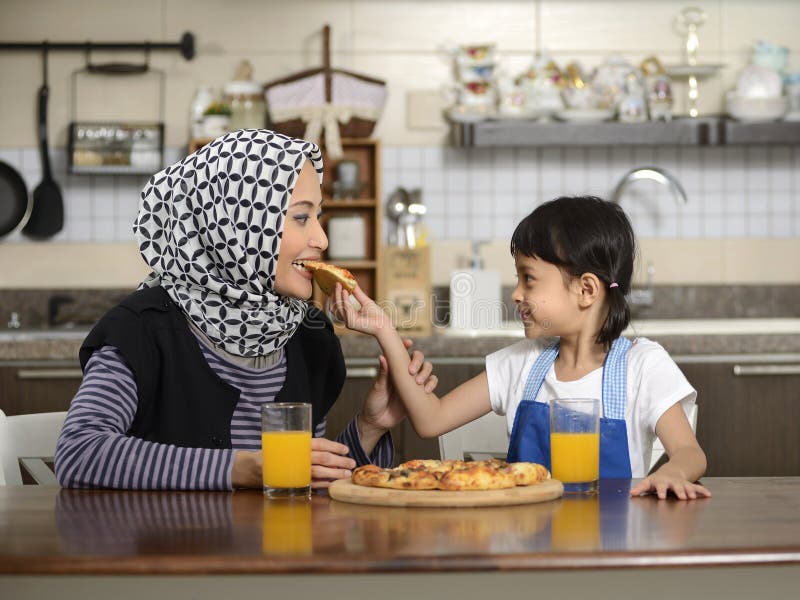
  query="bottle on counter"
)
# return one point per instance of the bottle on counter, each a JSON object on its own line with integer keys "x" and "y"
{"x": 203, "y": 97}
{"x": 246, "y": 99}
{"x": 248, "y": 110}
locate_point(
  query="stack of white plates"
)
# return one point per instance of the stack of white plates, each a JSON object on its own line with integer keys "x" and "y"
{"x": 744, "y": 108}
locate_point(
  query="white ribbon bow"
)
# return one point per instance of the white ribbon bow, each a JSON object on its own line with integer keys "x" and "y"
{"x": 327, "y": 116}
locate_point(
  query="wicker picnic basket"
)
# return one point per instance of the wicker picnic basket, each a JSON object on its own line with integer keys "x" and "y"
{"x": 306, "y": 103}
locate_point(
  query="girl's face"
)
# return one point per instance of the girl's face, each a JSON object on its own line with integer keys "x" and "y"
{"x": 303, "y": 236}
{"x": 546, "y": 302}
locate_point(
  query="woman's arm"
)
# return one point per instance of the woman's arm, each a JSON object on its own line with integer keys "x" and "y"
{"x": 686, "y": 464}
{"x": 94, "y": 451}
{"x": 429, "y": 415}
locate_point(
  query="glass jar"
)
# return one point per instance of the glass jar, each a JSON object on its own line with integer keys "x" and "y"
{"x": 791, "y": 82}
{"x": 203, "y": 96}
{"x": 248, "y": 110}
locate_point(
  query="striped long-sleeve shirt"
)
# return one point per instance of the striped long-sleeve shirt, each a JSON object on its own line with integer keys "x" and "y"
{"x": 94, "y": 450}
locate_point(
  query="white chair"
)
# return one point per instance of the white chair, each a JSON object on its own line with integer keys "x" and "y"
{"x": 26, "y": 442}
{"x": 483, "y": 438}
{"x": 658, "y": 447}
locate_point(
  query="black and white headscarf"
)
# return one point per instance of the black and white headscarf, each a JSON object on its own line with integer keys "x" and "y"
{"x": 210, "y": 227}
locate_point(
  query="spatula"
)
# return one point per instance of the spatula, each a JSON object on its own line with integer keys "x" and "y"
{"x": 47, "y": 212}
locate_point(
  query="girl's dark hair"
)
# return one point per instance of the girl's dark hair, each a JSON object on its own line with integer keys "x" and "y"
{"x": 584, "y": 234}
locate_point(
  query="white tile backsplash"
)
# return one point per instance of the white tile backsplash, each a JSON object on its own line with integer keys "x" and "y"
{"x": 732, "y": 192}
{"x": 735, "y": 226}
{"x": 780, "y": 225}
{"x": 482, "y": 193}
{"x": 713, "y": 227}
{"x": 780, "y": 171}
{"x": 758, "y": 226}
{"x": 781, "y": 202}
{"x": 692, "y": 228}
{"x": 78, "y": 206}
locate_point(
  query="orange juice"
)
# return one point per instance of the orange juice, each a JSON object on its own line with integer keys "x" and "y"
{"x": 575, "y": 457}
{"x": 287, "y": 527}
{"x": 286, "y": 458}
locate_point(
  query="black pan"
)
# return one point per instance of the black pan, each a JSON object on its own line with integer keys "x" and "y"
{"x": 13, "y": 198}
{"x": 47, "y": 209}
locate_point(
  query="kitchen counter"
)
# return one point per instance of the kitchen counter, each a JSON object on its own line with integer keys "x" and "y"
{"x": 678, "y": 336}
{"x": 749, "y": 523}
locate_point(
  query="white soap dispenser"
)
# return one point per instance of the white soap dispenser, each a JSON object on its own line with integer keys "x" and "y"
{"x": 475, "y": 299}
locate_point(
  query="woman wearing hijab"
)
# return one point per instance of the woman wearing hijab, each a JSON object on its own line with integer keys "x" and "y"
{"x": 175, "y": 375}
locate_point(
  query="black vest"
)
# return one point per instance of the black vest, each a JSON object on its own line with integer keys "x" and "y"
{"x": 181, "y": 400}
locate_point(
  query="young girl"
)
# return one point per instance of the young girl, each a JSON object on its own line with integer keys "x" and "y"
{"x": 574, "y": 261}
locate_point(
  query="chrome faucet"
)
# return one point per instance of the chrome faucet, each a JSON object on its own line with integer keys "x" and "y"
{"x": 13, "y": 321}
{"x": 656, "y": 174}
{"x": 643, "y": 297}
{"x": 53, "y": 305}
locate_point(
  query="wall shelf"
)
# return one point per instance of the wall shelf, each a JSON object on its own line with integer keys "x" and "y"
{"x": 776, "y": 132}
{"x": 704, "y": 131}
{"x": 367, "y": 153}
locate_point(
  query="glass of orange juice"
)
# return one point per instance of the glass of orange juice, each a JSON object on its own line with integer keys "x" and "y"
{"x": 575, "y": 443}
{"x": 286, "y": 449}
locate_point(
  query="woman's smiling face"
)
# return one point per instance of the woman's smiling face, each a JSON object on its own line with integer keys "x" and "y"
{"x": 303, "y": 237}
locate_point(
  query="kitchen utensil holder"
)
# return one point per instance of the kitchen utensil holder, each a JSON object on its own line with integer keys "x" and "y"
{"x": 115, "y": 147}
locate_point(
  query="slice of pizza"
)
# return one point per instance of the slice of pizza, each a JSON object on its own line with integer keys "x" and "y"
{"x": 404, "y": 479}
{"x": 528, "y": 473}
{"x": 370, "y": 476}
{"x": 327, "y": 275}
{"x": 476, "y": 476}
{"x": 398, "y": 478}
{"x": 437, "y": 467}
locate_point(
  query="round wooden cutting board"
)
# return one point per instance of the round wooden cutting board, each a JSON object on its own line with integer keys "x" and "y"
{"x": 346, "y": 491}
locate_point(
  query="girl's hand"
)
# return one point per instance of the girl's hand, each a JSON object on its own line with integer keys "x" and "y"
{"x": 367, "y": 319}
{"x": 663, "y": 481}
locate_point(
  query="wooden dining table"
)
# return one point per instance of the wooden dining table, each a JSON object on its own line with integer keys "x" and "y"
{"x": 744, "y": 541}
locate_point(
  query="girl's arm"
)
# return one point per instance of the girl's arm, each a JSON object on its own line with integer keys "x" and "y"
{"x": 429, "y": 415}
{"x": 687, "y": 461}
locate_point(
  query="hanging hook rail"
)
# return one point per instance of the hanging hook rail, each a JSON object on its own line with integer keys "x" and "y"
{"x": 185, "y": 46}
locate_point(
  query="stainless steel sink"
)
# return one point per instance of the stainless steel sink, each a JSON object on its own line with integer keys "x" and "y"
{"x": 24, "y": 334}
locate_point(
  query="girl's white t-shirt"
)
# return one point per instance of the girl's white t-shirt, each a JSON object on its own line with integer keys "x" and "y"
{"x": 654, "y": 383}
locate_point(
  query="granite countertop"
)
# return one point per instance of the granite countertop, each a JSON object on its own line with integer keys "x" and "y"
{"x": 679, "y": 337}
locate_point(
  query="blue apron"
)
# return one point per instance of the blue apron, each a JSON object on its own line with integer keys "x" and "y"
{"x": 530, "y": 435}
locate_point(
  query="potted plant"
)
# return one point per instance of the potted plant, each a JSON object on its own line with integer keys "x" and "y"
{"x": 216, "y": 119}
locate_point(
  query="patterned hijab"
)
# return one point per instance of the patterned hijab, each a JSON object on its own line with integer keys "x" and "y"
{"x": 210, "y": 227}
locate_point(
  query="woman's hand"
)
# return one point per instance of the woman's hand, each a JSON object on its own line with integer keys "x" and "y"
{"x": 383, "y": 408}
{"x": 665, "y": 480}
{"x": 369, "y": 318}
{"x": 329, "y": 462}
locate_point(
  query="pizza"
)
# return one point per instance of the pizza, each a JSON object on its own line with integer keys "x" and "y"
{"x": 451, "y": 475}
{"x": 327, "y": 275}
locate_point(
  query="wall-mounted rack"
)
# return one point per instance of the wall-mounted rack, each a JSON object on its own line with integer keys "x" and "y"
{"x": 705, "y": 131}
{"x": 185, "y": 46}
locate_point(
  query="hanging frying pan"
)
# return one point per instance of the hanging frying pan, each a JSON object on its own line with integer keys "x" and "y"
{"x": 47, "y": 211}
{"x": 13, "y": 198}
